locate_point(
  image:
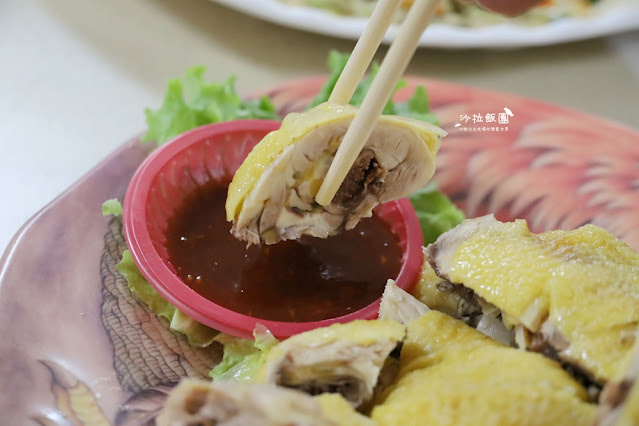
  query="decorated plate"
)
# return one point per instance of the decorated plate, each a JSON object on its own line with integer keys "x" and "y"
{"x": 619, "y": 17}
{"x": 78, "y": 348}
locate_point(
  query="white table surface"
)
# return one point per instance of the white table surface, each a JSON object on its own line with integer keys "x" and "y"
{"x": 75, "y": 76}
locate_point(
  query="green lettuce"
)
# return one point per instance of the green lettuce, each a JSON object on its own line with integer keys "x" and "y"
{"x": 416, "y": 107}
{"x": 142, "y": 289}
{"x": 436, "y": 213}
{"x": 112, "y": 207}
{"x": 197, "y": 334}
{"x": 242, "y": 357}
{"x": 194, "y": 102}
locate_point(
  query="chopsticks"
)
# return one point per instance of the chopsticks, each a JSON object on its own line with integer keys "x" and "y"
{"x": 364, "y": 51}
{"x": 399, "y": 55}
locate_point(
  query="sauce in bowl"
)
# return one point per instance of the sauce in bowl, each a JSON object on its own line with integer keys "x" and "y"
{"x": 310, "y": 279}
{"x": 179, "y": 191}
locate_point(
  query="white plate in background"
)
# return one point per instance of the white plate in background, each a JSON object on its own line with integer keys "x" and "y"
{"x": 616, "y": 19}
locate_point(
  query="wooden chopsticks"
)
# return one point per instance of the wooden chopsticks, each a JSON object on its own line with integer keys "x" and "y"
{"x": 399, "y": 55}
{"x": 364, "y": 51}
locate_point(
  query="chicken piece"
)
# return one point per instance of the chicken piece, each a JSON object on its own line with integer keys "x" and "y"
{"x": 341, "y": 411}
{"x": 436, "y": 293}
{"x": 569, "y": 294}
{"x": 619, "y": 402}
{"x": 272, "y": 195}
{"x": 199, "y": 402}
{"x": 398, "y": 305}
{"x": 453, "y": 375}
{"x": 342, "y": 358}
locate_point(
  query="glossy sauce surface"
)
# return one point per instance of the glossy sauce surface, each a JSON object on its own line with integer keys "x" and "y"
{"x": 310, "y": 279}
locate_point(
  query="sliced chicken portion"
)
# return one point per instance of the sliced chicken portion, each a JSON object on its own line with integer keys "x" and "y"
{"x": 199, "y": 402}
{"x": 569, "y": 294}
{"x": 431, "y": 290}
{"x": 453, "y": 375}
{"x": 341, "y": 411}
{"x": 272, "y": 195}
{"x": 398, "y": 305}
{"x": 342, "y": 358}
{"x": 619, "y": 402}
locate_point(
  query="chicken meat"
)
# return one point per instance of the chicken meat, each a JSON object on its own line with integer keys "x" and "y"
{"x": 272, "y": 195}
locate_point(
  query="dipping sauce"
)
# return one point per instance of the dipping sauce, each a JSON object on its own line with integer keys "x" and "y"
{"x": 310, "y": 279}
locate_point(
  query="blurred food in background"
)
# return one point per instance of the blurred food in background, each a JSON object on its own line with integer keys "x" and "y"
{"x": 463, "y": 14}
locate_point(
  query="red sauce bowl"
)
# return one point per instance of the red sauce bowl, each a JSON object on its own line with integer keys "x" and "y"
{"x": 213, "y": 153}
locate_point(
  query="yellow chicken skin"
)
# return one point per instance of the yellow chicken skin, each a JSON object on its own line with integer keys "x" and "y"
{"x": 338, "y": 409}
{"x": 619, "y": 401}
{"x": 201, "y": 402}
{"x": 272, "y": 195}
{"x": 427, "y": 290}
{"x": 346, "y": 358}
{"x": 453, "y": 375}
{"x": 575, "y": 291}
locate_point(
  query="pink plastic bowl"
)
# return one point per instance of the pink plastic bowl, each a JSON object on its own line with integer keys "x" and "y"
{"x": 214, "y": 153}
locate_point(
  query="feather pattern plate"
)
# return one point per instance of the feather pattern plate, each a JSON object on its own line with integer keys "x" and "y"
{"x": 77, "y": 346}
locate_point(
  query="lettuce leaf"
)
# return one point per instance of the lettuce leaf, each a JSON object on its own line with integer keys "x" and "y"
{"x": 336, "y": 63}
{"x": 194, "y": 102}
{"x": 242, "y": 357}
{"x": 142, "y": 289}
{"x": 196, "y": 333}
{"x": 436, "y": 213}
{"x": 112, "y": 207}
{"x": 416, "y": 107}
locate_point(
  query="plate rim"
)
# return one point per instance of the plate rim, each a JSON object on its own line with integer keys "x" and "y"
{"x": 22, "y": 231}
{"x": 618, "y": 19}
